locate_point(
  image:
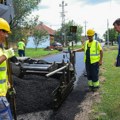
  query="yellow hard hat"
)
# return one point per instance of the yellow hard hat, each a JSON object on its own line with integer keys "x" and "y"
{"x": 23, "y": 39}
{"x": 90, "y": 32}
{"x": 4, "y": 25}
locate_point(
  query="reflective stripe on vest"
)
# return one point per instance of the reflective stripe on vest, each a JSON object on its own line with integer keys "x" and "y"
{"x": 21, "y": 45}
{"x": 2, "y": 81}
{"x": 96, "y": 50}
{"x": 3, "y": 77}
{"x": 2, "y": 68}
{"x": 96, "y": 84}
{"x": 94, "y": 53}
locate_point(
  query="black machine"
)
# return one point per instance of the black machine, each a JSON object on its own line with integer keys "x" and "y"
{"x": 63, "y": 71}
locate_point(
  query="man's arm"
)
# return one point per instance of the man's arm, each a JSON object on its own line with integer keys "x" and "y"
{"x": 78, "y": 50}
{"x": 24, "y": 45}
{"x": 101, "y": 56}
{"x": 2, "y": 58}
{"x": 101, "y": 53}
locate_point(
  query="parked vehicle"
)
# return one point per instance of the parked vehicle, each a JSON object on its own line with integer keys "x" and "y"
{"x": 57, "y": 46}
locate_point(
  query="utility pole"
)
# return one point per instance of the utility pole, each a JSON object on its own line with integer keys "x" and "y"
{"x": 108, "y": 32}
{"x": 63, "y": 21}
{"x": 85, "y": 22}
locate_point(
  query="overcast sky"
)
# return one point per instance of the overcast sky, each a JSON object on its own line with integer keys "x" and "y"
{"x": 94, "y": 12}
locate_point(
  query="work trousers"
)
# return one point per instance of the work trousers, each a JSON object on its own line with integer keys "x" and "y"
{"x": 21, "y": 53}
{"x": 92, "y": 71}
{"x": 5, "y": 112}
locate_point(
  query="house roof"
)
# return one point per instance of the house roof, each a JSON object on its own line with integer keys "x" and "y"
{"x": 41, "y": 26}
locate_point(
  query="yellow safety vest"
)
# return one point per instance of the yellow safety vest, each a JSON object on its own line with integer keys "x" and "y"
{"x": 94, "y": 51}
{"x": 21, "y": 45}
{"x": 3, "y": 77}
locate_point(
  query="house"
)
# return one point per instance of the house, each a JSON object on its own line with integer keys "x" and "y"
{"x": 47, "y": 39}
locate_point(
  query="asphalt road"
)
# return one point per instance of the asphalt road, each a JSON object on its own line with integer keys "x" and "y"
{"x": 79, "y": 65}
{"x": 68, "y": 104}
{"x": 71, "y": 107}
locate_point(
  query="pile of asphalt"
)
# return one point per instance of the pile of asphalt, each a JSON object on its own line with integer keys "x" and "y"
{"x": 33, "y": 93}
{"x": 41, "y": 115}
{"x": 34, "y": 101}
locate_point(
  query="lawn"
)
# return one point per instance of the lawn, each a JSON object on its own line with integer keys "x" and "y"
{"x": 109, "y": 107}
{"x": 40, "y": 52}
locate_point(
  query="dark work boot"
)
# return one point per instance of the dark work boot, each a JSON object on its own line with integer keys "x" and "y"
{"x": 95, "y": 89}
{"x": 90, "y": 89}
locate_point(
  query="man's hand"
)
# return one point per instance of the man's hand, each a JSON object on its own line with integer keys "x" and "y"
{"x": 78, "y": 50}
{"x": 9, "y": 53}
{"x": 73, "y": 51}
{"x": 100, "y": 62}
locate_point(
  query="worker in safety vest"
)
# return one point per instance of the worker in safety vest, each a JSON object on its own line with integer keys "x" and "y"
{"x": 93, "y": 58}
{"x": 116, "y": 25}
{"x": 5, "y": 112}
{"x": 21, "y": 48}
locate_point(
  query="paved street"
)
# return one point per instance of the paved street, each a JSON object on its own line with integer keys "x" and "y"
{"x": 79, "y": 65}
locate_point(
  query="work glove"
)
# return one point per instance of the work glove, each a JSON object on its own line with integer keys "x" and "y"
{"x": 11, "y": 91}
{"x": 9, "y": 53}
{"x": 14, "y": 59}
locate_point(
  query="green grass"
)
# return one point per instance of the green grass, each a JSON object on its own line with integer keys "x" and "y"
{"x": 109, "y": 107}
{"x": 32, "y": 53}
{"x": 40, "y": 52}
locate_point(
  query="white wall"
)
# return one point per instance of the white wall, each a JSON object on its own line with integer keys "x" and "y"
{"x": 44, "y": 44}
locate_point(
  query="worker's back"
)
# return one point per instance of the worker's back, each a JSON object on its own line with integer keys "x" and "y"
{"x": 21, "y": 45}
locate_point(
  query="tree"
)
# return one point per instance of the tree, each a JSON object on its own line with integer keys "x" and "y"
{"x": 69, "y": 36}
{"x": 39, "y": 37}
{"x": 22, "y": 9}
{"x": 112, "y": 35}
{"x": 20, "y": 24}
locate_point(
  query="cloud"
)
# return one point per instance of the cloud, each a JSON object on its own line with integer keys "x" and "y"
{"x": 92, "y": 2}
{"x": 43, "y": 7}
{"x": 94, "y": 12}
{"x": 118, "y": 2}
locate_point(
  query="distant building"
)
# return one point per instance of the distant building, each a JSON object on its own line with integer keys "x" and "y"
{"x": 48, "y": 39}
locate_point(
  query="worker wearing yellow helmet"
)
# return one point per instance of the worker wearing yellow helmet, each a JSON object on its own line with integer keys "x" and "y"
{"x": 21, "y": 47}
{"x": 93, "y": 55}
{"x": 5, "y": 113}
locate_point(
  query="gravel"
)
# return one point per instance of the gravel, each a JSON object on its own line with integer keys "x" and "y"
{"x": 33, "y": 93}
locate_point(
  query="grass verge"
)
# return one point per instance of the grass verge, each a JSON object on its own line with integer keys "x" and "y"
{"x": 109, "y": 107}
{"x": 40, "y": 52}
{"x": 32, "y": 53}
